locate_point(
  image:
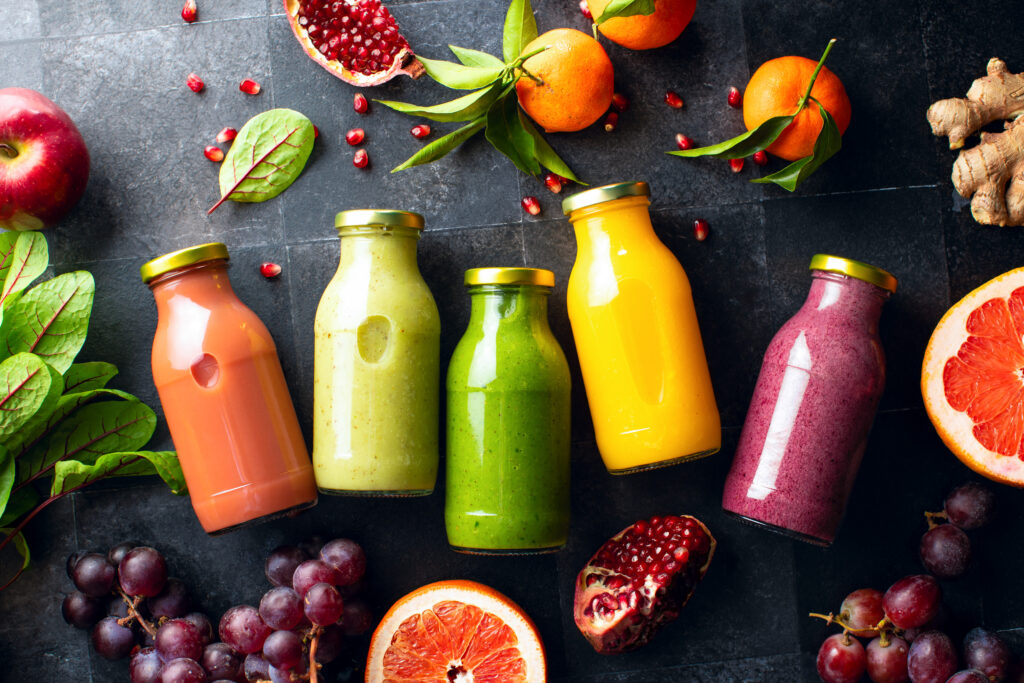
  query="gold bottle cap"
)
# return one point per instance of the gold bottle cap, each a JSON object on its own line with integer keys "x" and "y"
{"x": 510, "y": 276}
{"x": 387, "y": 218}
{"x": 181, "y": 258}
{"x": 861, "y": 271}
{"x": 605, "y": 193}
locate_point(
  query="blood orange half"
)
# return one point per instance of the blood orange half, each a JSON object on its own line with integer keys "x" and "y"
{"x": 973, "y": 379}
{"x": 452, "y": 632}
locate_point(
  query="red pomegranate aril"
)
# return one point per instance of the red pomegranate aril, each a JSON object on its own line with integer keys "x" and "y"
{"x": 227, "y": 135}
{"x": 249, "y": 87}
{"x": 620, "y": 102}
{"x": 360, "y": 159}
{"x": 683, "y": 142}
{"x": 554, "y": 182}
{"x": 214, "y": 154}
{"x": 355, "y": 136}
{"x": 673, "y": 99}
{"x": 735, "y": 99}
{"x": 194, "y": 83}
{"x": 585, "y": 10}
{"x": 269, "y": 269}
{"x": 316, "y": 132}
{"x": 189, "y": 12}
{"x": 700, "y": 229}
{"x": 531, "y": 205}
{"x": 760, "y": 157}
{"x": 360, "y": 103}
{"x": 736, "y": 165}
{"x": 611, "y": 121}
{"x": 421, "y": 131}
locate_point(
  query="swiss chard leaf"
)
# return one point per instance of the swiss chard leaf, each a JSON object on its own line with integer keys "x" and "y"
{"x": 20, "y": 502}
{"x": 543, "y": 152}
{"x": 466, "y": 108}
{"x": 72, "y": 474}
{"x": 26, "y": 261}
{"x": 21, "y": 545}
{"x": 460, "y": 76}
{"x": 86, "y": 376}
{"x": 51, "y": 319}
{"x": 27, "y": 386}
{"x": 475, "y": 57}
{"x": 625, "y": 8}
{"x": 520, "y": 29}
{"x": 266, "y": 157}
{"x": 829, "y": 142}
{"x": 745, "y": 144}
{"x": 441, "y": 146}
{"x": 6, "y": 478}
{"x": 508, "y": 136}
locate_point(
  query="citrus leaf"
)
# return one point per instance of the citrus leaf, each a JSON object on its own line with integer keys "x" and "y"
{"x": 266, "y": 157}
{"x": 51, "y": 319}
{"x": 745, "y": 144}
{"x": 508, "y": 136}
{"x": 86, "y": 376}
{"x": 441, "y": 146}
{"x": 465, "y": 108}
{"x": 543, "y": 152}
{"x": 520, "y": 29}
{"x": 459, "y": 76}
{"x": 26, "y": 261}
{"x": 829, "y": 142}
{"x": 72, "y": 474}
{"x": 625, "y": 8}
{"x": 6, "y": 479}
{"x": 475, "y": 57}
{"x": 27, "y": 386}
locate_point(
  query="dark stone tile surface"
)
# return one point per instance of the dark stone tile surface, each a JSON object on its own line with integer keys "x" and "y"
{"x": 119, "y": 69}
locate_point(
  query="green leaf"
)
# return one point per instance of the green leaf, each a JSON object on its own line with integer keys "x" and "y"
{"x": 88, "y": 433}
{"x": 21, "y": 545}
{"x": 829, "y": 142}
{"x": 745, "y": 144}
{"x": 465, "y": 108}
{"x": 625, "y": 8}
{"x": 86, "y": 376}
{"x": 508, "y": 136}
{"x": 440, "y": 147}
{"x": 27, "y": 386}
{"x": 72, "y": 474}
{"x": 6, "y": 478}
{"x": 459, "y": 76}
{"x": 475, "y": 57}
{"x": 266, "y": 157}
{"x": 543, "y": 152}
{"x": 43, "y": 422}
{"x": 24, "y": 263}
{"x": 20, "y": 502}
{"x": 520, "y": 29}
{"x": 51, "y": 319}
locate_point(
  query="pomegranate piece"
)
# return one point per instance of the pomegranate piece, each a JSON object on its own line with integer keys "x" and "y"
{"x": 269, "y": 270}
{"x": 227, "y": 135}
{"x": 620, "y": 102}
{"x": 189, "y": 12}
{"x": 673, "y": 99}
{"x": 249, "y": 87}
{"x": 421, "y": 131}
{"x": 700, "y": 229}
{"x": 214, "y": 154}
{"x": 554, "y": 182}
{"x": 194, "y": 83}
{"x": 360, "y": 159}
{"x": 760, "y": 157}
{"x": 683, "y": 142}
{"x": 356, "y": 40}
{"x": 735, "y": 99}
{"x": 611, "y": 122}
{"x": 639, "y": 580}
{"x": 355, "y": 136}
{"x": 531, "y": 206}
{"x": 585, "y": 10}
{"x": 736, "y": 165}
{"x": 360, "y": 104}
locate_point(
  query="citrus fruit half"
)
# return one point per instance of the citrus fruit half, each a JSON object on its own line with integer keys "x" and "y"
{"x": 455, "y": 631}
{"x": 972, "y": 379}
{"x": 643, "y": 32}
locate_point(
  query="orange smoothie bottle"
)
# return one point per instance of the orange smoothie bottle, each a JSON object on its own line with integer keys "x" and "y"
{"x": 216, "y": 369}
{"x": 637, "y": 337}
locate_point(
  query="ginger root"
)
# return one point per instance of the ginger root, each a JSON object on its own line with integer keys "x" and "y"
{"x": 985, "y": 170}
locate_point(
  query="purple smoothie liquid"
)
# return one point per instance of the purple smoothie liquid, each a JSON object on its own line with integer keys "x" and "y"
{"x": 814, "y": 402}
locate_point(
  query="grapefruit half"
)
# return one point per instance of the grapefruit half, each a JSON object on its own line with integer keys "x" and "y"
{"x": 973, "y": 379}
{"x": 455, "y": 632}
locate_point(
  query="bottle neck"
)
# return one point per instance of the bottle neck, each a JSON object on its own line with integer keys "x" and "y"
{"x": 203, "y": 283}
{"x": 847, "y": 297}
{"x": 619, "y": 224}
{"x": 509, "y": 305}
{"x": 394, "y": 248}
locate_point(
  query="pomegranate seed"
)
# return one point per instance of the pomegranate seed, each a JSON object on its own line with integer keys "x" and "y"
{"x": 355, "y": 136}
{"x": 611, "y": 121}
{"x": 316, "y": 132}
{"x": 760, "y": 158}
{"x": 269, "y": 269}
{"x": 620, "y": 102}
{"x": 735, "y": 98}
{"x": 700, "y": 229}
{"x": 683, "y": 142}
{"x": 249, "y": 87}
{"x": 189, "y": 11}
{"x": 673, "y": 99}
{"x": 214, "y": 154}
{"x": 585, "y": 10}
{"x": 194, "y": 83}
{"x": 736, "y": 165}
{"x": 360, "y": 159}
{"x": 360, "y": 104}
{"x": 531, "y": 205}
{"x": 554, "y": 182}
{"x": 421, "y": 131}
{"x": 227, "y": 135}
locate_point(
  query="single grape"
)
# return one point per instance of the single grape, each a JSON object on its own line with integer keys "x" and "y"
{"x": 912, "y": 601}
{"x": 970, "y": 505}
{"x": 117, "y": 553}
{"x": 347, "y": 557}
{"x": 178, "y": 638}
{"x": 932, "y": 658}
{"x": 330, "y": 644}
{"x": 351, "y": 591}
{"x": 969, "y": 676}
{"x": 312, "y": 546}
{"x": 861, "y": 611}
{"x": 357, "y": 618}
{"x": 323, "y": 605}
{"x": 887, "y": 663}
{"x": 117, "y": 607}
{"x": 945, "y": 551}
{"x": 242, "y": 628}
{"x": 220, "y": 661}
{"x": 281, "y": 564}
{"x": 93, "y": 575}
{"x": 145, "y": 666}
{"x": 172, "y": 602}
{"x": 283, "y": 649}
{"x": 183, "y": 670}
{"x": 256, "y": 668}
{"x": 312, "y": 572}
{"x": 81, "y": 611}
{"x": 841, "y": 659}
{"x": 280, "y": 675}
{"x": 281, "y": 608}
{"x": 73, "y": 559}
{"x": 142, "y": 571}
{"x": 111, "y": 640}
{"x": 986, "y": 651}
{"x": 201, "y": 622}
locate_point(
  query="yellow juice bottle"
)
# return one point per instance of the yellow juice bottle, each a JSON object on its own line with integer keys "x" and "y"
{"x": 636, "y": 333}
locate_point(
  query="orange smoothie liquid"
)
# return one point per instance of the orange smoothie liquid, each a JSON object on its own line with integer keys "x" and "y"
{"x": 638, "y": 341}
{"x": 227, "y": 405}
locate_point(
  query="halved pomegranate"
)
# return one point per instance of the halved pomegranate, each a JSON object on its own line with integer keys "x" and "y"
{"x": 356, "y": 40}
{"x": 639, "y": 580}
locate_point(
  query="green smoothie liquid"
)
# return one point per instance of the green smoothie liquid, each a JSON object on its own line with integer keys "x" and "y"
{"x": 508, "y": 427}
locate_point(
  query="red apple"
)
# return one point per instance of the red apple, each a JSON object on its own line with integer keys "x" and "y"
{"x": 44, "y": 164}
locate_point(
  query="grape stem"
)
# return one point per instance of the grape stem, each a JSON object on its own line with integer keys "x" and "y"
{"x": 932, "y": 516}
{"x": 133, "y": 613}
{"x": 313, "y": 665}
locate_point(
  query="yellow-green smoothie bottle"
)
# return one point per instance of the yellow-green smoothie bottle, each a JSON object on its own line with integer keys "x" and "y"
{"x": 376, "y": 363}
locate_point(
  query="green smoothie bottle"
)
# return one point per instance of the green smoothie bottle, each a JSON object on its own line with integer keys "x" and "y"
{"x": 508, "y": 420}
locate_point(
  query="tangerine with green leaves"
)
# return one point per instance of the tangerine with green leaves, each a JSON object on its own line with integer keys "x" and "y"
{"x": 645, "y": 32}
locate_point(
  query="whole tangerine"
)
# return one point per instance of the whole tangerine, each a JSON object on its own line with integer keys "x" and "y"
{"x": 644, "y": 32}
{"x": 775, "y": 89}
{"x": 574, "y": 81}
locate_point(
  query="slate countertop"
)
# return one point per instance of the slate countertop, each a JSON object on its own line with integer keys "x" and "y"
{"x": 118, "y": 67}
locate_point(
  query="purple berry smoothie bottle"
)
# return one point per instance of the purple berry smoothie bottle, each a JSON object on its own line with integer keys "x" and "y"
{"x": 813, "y": 406}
